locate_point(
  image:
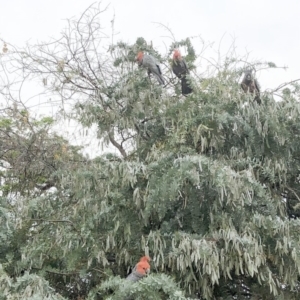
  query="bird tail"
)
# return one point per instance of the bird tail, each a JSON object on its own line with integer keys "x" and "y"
{"x": 185, "y": 86}
{"x": 159, "y": 79}
{"x": 257, "y": 99}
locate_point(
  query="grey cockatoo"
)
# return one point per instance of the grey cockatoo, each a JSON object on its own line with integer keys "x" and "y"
{"x": 141, "y": 269}
{"x": 251, "y": 85}
{"x": 180, "y": 69}
{"x": 151, "y": 64}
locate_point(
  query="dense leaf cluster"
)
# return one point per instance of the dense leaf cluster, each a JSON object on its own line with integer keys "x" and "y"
{"x": 207, "y": 185}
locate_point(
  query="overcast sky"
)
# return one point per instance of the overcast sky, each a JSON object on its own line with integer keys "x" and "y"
{"x": 268, "y": 30}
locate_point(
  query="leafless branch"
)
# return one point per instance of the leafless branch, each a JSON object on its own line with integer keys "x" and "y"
{"x": 284, "y": 84}
{"x": 117, "y": 145}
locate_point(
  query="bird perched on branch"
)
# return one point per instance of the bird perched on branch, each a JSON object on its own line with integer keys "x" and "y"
{"x": 151, "y": 64}
{"x": 141, "y": 269}
{"x": 251, "y": 85}
{"x": 180, "y": 69}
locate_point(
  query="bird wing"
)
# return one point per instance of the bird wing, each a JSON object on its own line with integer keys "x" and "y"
{"x": 180, "y": 68}
{"x": 185, "y": 86}
{"x": 148, "y": 61}
{"x": 257, "y": 85}
{"x": 159, "y": 76}
{"x": 185, "y": 67}
{"x": 134, "y": 276}
{"x": 140, "y": 63}
{"x": 139, "y": 271}
{"x": 153, "y": 67}
{"x": 244, "y": 86}
{"x": 158, "y": 68}
{"x": 176, "y": 68}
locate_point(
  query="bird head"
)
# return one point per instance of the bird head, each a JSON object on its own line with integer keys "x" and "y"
{"x": 177, "y": 55}
{"x": 145, "y": 258}
{"x": 140, "y": 56}
{"x": 248, "y": 75}
{"x": 143, "y": 267}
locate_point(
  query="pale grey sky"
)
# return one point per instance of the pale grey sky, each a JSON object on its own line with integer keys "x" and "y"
{"x": 267, "y": 29}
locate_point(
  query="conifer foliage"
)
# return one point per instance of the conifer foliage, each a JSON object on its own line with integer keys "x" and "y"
{"x": 207, "y": 185}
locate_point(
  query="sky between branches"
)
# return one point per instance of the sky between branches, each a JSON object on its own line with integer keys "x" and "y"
{"x": 267, "y": 30}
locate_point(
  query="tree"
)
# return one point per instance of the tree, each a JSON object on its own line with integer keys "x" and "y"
{"x": 207, "y": 184}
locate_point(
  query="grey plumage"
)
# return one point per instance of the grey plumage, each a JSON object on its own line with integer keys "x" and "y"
{"x": 185, "y": 86}
{"x": 141, "y": 269}
{"x": 180, "y": 69}
{"x": 151, "y": 64}
{"x": 250, "y": 85}
{"x": 134, "y": 276}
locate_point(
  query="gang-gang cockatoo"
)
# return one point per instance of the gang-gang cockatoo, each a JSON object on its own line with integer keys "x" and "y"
{"x": 250, "y": 85}
{"x": 151, "y": 64}
{"x": 141, "y": 269}
{"x": 180, "y": 69}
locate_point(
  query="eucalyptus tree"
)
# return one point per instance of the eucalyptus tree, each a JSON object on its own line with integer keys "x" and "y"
{"x": 206, "y": 185}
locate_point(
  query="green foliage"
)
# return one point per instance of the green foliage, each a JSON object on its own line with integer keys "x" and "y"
{"x": 191, "y": 54}
{"x": 45, "y": 121}
{"x": 154, "y": 287}
{"x": 5, "y": 123}
{"x": 271, "y": 65}
{"x": 30, "y": 152}
{"x": 207, "y": 185}
{"x": 27, "y": 287}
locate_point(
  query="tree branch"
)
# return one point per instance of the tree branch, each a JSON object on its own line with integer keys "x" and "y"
{"x": 117, "y": 145}
{"x": 284, "y": 84}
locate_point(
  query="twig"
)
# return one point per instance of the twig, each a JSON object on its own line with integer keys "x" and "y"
{"x": 293, "y": 192}
{"x": 284, "y": 84}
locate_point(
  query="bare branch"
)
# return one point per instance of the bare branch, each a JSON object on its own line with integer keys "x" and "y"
{"x": 284, "y": 84}
{"x": 117, "y": 145}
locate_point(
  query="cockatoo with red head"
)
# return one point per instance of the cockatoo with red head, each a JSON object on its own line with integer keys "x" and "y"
{"x": 180, "y": 69}
{"x": 141, "y": 269}
{"x": 151, "y": 64}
